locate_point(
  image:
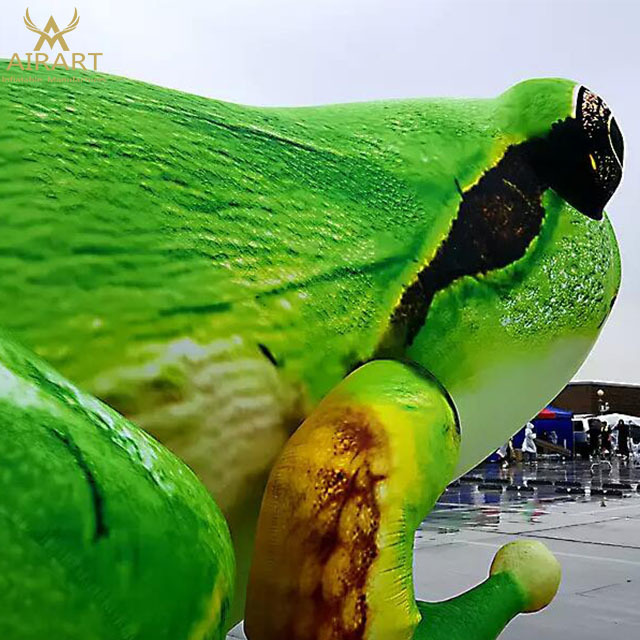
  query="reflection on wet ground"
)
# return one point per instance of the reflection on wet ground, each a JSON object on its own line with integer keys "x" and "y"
{"x": 589, "y": 518}
{"x": 492, "y": 497}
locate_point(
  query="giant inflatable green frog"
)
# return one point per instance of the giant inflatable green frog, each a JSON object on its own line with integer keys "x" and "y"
{"x": 384, "y": 274}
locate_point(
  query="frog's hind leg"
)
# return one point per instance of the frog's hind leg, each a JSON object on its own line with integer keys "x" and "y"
{"x": 334, "y": 547}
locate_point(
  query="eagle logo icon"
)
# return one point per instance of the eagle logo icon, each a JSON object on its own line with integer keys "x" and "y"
{"x": 45, "y": 34}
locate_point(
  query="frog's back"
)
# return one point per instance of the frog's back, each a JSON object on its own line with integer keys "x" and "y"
{"x": 136, "y": 215}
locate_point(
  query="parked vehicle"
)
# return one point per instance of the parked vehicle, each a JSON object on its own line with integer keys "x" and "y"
{"x": 580, "y": 424}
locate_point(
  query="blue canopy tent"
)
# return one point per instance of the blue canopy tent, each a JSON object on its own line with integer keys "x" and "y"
{"x": 548, "y": 420}
{"x": 558, "y": 420}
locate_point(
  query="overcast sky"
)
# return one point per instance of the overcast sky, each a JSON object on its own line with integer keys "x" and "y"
{"x": 290, "y": 52}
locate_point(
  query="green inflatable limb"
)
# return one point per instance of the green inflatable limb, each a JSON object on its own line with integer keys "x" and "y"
{"x": 524, "y": 578}
{"x": 334, "y": 547}
{"x": 104, "y": 534}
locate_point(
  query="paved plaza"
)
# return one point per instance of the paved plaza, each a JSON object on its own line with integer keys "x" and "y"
{"x": 589, "y": 518}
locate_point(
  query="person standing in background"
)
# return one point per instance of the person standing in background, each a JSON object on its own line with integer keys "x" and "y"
{"x": 595, "y": 430}
{"x": 623, "y": 439}
{"x": 529, "y": 449}
{"x": 506, "y": 454}
{"x": 607, "y": 447}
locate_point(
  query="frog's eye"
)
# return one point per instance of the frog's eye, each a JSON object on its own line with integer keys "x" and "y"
{"x": 582, "y": 156}
{"x": 599, "y": 126}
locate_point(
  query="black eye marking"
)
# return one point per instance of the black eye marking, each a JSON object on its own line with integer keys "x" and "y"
{"x": 266, "y": 352}
{"x": 581, "y": 158}
{"x": 497, "y": 220}
{"x": 498, "y": 217}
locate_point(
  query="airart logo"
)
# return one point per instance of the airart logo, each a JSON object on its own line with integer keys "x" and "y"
{"x": 52, "y": 35}
{"x": 58, "y": 34}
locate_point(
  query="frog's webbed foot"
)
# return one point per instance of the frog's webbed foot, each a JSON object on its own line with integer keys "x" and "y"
{"x": 333, "y": 558}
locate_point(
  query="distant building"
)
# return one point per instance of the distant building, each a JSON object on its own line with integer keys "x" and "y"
{"x": 582, "y": 397}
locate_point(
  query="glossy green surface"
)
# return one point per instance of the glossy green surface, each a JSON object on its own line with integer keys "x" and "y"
{"x": 523, "y": 331}
{"x": 213, "y": 270}
{"x": 104, "y": 534}
{"x": 479, "y": 614}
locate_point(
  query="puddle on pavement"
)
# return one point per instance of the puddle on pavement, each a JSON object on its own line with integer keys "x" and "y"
{"x": 490, "y": 496}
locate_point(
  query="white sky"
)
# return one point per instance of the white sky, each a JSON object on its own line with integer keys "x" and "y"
{"x": 287, "y": 52}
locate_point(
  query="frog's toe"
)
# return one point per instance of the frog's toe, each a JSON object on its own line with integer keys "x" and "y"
{"x": 533, "y": 567}
{"x": 524, "y": 578}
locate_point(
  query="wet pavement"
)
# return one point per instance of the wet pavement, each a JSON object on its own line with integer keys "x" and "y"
{"x": 588, "y": 516}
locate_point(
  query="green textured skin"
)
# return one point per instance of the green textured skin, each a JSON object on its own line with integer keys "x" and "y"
{"x": 153, "y": 240}
{"x": 160, "y": 566}
{"x": 479, "y": 614}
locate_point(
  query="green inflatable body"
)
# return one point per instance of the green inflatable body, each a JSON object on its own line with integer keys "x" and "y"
{"x": 104, "y": 534}
{"x": 221, "y": 274}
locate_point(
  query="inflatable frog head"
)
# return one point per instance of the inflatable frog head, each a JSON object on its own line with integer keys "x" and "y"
{"x": 523, "y": 278}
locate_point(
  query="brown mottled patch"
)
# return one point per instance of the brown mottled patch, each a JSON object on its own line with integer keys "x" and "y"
{"x": 336, "y": 539}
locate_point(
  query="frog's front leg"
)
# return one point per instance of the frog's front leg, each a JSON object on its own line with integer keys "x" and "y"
{"x": 334, "y": 547}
